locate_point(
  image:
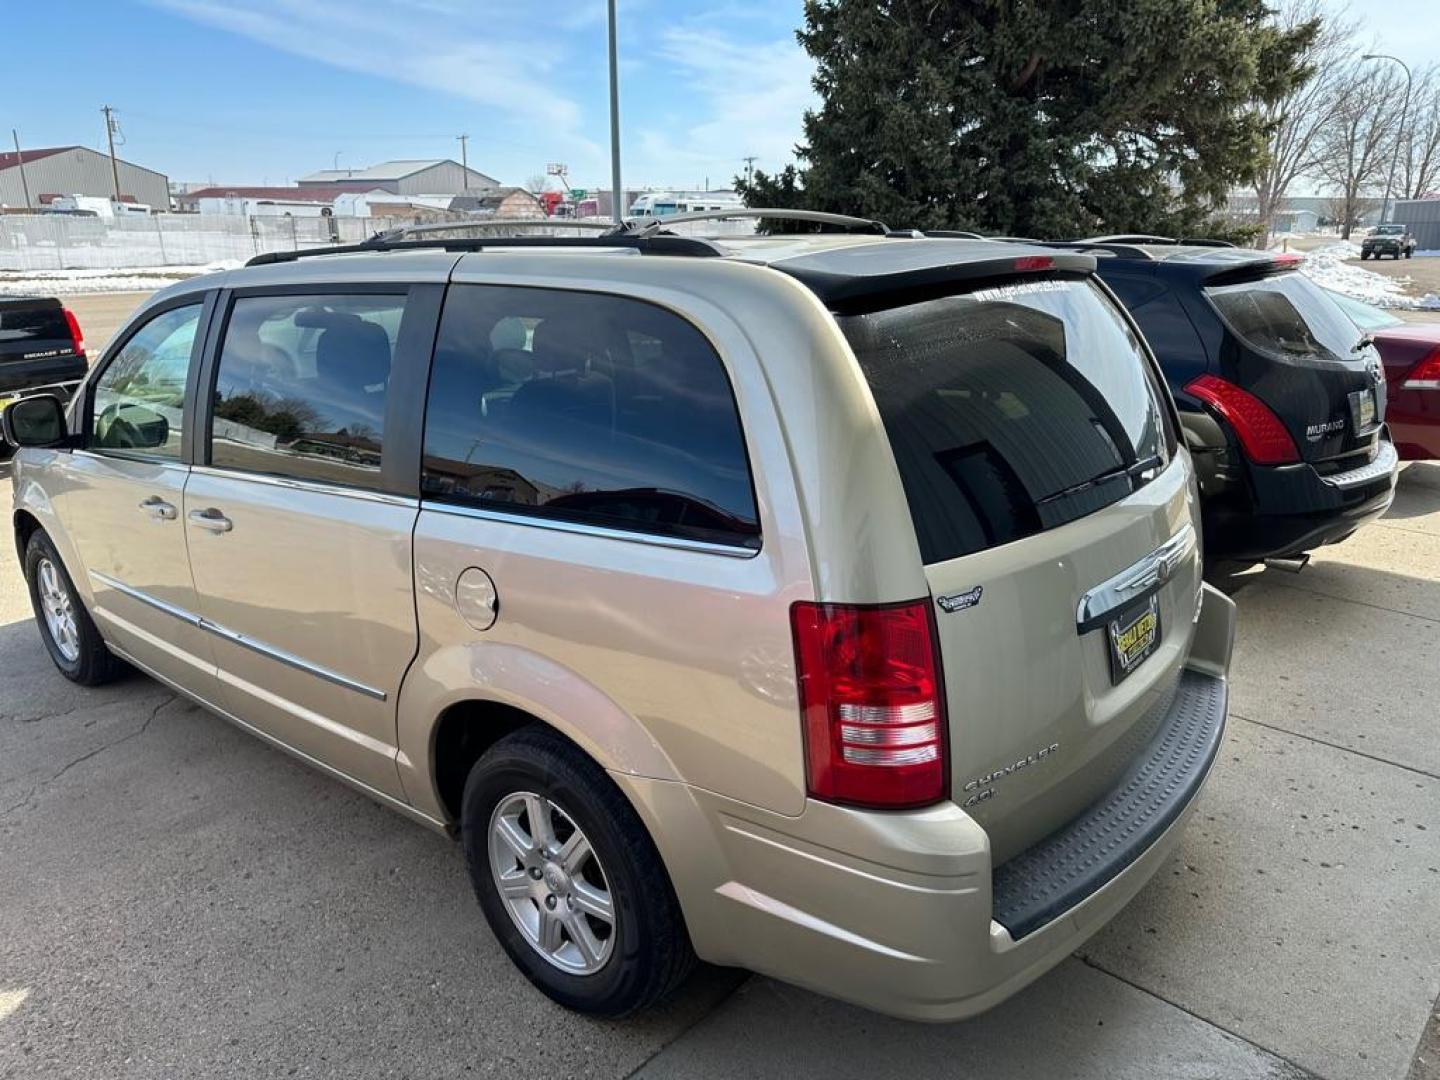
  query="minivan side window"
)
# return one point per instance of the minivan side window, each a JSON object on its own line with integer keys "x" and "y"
{"x": 139, "y": 406}
{"x": 301, "y": 385}
{"x": 587, "y": 408}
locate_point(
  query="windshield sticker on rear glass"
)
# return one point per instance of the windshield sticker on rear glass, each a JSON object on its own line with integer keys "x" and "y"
{"x": 961, "y": 600}
{"x": 1024, "y": 288}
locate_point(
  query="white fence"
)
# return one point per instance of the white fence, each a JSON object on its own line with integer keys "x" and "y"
{"x": 30, "y": 242}
{"x": 63, "y": 242}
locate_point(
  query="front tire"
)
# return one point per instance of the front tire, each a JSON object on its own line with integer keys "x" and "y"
{"x": 569, "y": 879}
{"x": 69, "y": 634}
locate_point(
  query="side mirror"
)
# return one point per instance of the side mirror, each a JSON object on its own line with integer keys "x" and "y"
{"x": 34, "y": 421}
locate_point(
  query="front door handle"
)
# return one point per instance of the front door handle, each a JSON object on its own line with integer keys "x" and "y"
{"x": 211, "y": 519}
{"x": 159, "y": 509}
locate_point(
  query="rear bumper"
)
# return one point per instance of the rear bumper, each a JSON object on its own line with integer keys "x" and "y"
{"x": 29, "y": 376}
{"x": 1293, "y": 508}
{"x": 903, "y": 913}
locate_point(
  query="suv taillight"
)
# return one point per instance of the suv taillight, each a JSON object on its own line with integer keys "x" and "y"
{"x": 75, "y": 335}
{"x": 1425, "y": 375}
{"x": 1262, "y": 436}
{"x": 871, "y": 703}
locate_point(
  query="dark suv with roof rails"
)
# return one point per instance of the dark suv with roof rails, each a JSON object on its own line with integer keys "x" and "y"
{"x": 1281, "y": 398}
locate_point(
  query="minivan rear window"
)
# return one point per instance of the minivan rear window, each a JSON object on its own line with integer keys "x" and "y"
{"x": 1287, "y": 317}
{"x": 1011, "y": 409}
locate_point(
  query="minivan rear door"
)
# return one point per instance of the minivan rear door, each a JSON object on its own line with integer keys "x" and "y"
{"x": 1054, "y": 517}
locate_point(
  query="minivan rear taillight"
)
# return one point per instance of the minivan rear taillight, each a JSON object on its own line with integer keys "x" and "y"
{"x": 1262, "y": 436}
{"x": 76, "y": 337}
{"x": 871, "y": 703}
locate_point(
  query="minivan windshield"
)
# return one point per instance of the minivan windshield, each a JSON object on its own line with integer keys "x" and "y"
{"x": 1288, "y": 317}
{"x": 1011, "y": 409}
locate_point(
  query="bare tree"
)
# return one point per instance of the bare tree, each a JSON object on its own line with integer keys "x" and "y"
{"x": 1420, "y": 141}
{"x": 535, "y": 184}
{"x": 1299, "y": 119}
{"x": 1352, "y": 152}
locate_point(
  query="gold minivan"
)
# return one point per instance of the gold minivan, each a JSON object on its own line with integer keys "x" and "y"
{"x": 825, "y": 605}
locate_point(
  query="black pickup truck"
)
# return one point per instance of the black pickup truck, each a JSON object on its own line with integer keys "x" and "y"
{"x": 40, "y": 346}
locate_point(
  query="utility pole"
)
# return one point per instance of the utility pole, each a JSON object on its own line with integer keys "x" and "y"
{"x": 749, "y": 168}
{"x": 111, "y": 124}
{"x": 464, "y": 162}
{"x": 617, "y": 194}
{"x": 20, "y": 160}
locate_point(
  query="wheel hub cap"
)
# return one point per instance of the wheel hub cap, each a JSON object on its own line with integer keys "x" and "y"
{"x": 57, "y": 610}
{"x": 551, "y": 883}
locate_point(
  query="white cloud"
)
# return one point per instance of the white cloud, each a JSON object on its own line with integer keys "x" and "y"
{"x": 754, "y": 97}
{"x": 502, "y": 59}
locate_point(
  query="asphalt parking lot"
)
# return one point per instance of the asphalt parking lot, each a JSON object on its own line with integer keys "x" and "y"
{"x": 177, "y": 899}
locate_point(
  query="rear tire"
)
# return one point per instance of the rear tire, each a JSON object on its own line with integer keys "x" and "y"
{"x": 602, "y": 933}
{"x": 69, "y": 634}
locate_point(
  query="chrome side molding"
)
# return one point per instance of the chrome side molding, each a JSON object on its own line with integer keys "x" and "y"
{"x": 225, "y": 633}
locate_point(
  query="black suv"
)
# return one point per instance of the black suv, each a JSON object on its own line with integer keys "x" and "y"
{"x": 40, "y": 345}
{"x": 1282, "y": 399}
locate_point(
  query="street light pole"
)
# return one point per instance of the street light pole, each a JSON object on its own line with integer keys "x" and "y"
{"x": 617, "y": 196}
{"x": 1404, "y": 114}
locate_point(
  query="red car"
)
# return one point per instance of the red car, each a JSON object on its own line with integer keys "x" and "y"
{"x": 1411, "y": 355}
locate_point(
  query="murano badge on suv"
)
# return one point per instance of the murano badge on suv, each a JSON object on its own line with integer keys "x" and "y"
{"x": 827, "y": 605}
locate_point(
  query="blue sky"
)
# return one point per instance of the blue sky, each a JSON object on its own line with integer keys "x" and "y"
{"x": 264, "y": 91}
{"x": 257, "y": 91}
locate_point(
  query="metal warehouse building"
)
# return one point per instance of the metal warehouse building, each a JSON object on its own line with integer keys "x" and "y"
{"x": 432, "y": 176}
{"x": 1423, "y": 217}
{"x": 77, "y": 170}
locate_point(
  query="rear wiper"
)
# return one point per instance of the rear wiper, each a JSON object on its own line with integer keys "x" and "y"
{"x": 1140, "y": 466}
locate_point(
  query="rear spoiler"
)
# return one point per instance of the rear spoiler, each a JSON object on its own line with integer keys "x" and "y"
{"x": 910, "y": 279}
{"x": 1266, "y": 264}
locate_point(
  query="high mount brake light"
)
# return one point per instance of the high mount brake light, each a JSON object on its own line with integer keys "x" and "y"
{"x": 1262, "y": 436}
{"x": 871, "y": 702}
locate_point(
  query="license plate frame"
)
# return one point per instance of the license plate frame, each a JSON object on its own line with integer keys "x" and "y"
{"x": 1364, "y": 411}
{"x": 1132, "y": 637}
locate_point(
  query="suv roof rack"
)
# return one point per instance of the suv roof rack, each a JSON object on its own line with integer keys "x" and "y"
{"x": 662, "y": 244}
{"x": 649, "y": 226}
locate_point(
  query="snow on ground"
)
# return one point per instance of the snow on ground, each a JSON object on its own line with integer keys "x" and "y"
{"x": 1328, "y": 267}
{"x": 121, "y": 279}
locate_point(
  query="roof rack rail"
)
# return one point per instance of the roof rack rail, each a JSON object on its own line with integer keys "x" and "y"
{"x": 649, "y": 226}
{"x": 1129, "y": 238}
{"x": 646, "y": 245}
{"x": 1016, "y": 240}
{"x": 1124, "y": 250}
{"x": 954, "y": 234}
{"x": 404, "y": 231}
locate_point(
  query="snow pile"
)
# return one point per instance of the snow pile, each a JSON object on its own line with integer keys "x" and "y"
{"x": 121, "y": 279}
{"x": 1330, "y": 268}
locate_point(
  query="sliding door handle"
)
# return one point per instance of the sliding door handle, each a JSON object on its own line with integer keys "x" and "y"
{"x": 211, "y": 519}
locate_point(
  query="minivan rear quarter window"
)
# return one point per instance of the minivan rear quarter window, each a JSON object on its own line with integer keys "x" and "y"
{"x": 587, "y": 408}
{"x": 1011, "y": 409}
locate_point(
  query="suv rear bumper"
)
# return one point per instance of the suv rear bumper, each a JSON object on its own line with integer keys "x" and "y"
{"x": 902, "y": 912}
{"x": 1293, "y": 508}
